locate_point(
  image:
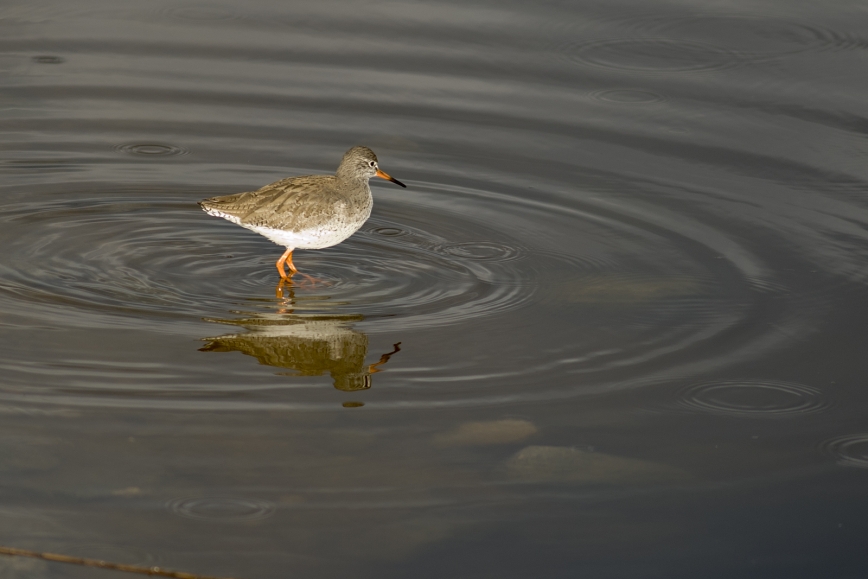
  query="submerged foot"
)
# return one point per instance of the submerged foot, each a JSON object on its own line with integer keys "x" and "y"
{"x": 307, "y": 282}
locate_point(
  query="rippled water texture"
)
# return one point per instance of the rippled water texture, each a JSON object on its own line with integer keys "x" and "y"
{"x": 614, "y": 327}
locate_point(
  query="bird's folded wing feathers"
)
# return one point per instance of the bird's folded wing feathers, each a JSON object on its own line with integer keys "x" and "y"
{"x": 279, "y": 205}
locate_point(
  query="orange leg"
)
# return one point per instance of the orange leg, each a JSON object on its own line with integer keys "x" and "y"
{"x": 286, "y": 258}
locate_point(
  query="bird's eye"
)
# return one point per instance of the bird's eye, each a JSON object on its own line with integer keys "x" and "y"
{"x": 372, "y": 164}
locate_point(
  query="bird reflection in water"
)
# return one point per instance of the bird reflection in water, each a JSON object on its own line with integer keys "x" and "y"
{"x": 310, "y": 344}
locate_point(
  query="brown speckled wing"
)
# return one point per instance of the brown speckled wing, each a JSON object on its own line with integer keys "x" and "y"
{"x": 290, "y": 204}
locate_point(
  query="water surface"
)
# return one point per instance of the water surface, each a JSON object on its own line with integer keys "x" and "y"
{"x": 613, "y": 328}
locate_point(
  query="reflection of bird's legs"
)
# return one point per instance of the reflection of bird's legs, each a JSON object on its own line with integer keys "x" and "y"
{"x": 286, "y": 258}
{"x": 372, "y": 369}
{"x": 279, "y": 292}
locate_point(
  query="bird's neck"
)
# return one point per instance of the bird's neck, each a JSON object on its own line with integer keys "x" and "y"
{"x": 352, "y": 181}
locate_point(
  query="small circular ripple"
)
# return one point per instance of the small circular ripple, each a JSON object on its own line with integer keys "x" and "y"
{"x": 754, "y": 399}
{"x": 221, "y": 509}
{"x": 657, "y": 55}
{"x": 389, "y": 231}
{"x": 750, "y": 37}
{"x": 627, "y": 96}
{"x": 151, "y": 149}
{"x": 699, "y": 42}
{"x": 481, "y": 251}
{"x": 850, "y": 450}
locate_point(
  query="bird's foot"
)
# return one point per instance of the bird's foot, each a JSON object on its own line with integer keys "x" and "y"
{"x": 308, "y": 282}
{"x": 311, "y": 282}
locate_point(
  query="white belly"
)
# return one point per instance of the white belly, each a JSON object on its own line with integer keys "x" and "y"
{"x": 326, "y": 235}
{"x": 337, "y": 228}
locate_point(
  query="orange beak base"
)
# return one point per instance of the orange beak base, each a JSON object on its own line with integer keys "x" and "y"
{"x": 385, "y": 176}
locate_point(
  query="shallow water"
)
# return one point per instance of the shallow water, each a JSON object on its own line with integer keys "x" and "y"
{"x": 613, "y": 328}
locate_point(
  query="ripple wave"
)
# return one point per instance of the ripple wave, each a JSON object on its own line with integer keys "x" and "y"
{"x": 754, "y": 398}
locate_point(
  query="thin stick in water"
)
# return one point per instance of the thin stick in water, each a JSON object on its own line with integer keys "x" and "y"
{"x": 158, "y": 571}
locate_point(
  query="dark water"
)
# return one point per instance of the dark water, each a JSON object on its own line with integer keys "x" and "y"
{"x": 627, "y": 285}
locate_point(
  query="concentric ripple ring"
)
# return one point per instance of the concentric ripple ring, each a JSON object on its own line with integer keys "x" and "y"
{"x": 221, "y": 509}
{"x": 754, "y": 398}
{"x": 850, "y": 450}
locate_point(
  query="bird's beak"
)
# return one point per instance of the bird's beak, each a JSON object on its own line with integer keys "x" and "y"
{"x": 385, "y": 176}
